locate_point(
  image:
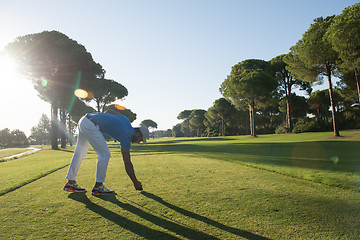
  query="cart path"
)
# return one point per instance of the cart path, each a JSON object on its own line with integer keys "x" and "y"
{"x": 32, "y": 150}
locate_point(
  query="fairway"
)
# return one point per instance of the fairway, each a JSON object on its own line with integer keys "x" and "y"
{"x": 270, "y": 187}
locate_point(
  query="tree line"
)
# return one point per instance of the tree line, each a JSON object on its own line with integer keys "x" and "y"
{"x": 259, "y": 97}
{"x": 14, "y": 138}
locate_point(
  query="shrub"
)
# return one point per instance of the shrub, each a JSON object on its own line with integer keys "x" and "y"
{"x": 308, "y": 125}
{"x": 282, "y": 129}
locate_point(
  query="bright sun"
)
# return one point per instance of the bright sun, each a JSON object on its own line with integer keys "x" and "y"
{"x": 7, "y": 68}
{"x": 19, "y": 102}
{"x": 11, "y": 83}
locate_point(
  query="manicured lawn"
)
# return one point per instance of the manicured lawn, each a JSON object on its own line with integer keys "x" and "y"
{"x": 317, "y": 157}
{"x": 18, "y": 172}
{"x": 197, "y": 188}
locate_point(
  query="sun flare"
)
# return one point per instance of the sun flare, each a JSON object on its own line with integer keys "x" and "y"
{"x": 18, "y": 97}
{"x": 7, "y": 69}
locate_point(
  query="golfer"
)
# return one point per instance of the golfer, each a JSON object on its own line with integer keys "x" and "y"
{"x": 91, "y": 129}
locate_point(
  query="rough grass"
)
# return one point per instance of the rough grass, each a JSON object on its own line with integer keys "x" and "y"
{"x": 190, "y": 192}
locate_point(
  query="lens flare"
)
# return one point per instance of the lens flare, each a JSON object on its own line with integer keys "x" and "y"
{"x": 90, "y": 95}
{"x": 80, "y": 93}
{"x": 335, "y": 159}
{"x": 44, "y": 82}
{"x": 309, "y": 155}
{"x": 119, "y": 107}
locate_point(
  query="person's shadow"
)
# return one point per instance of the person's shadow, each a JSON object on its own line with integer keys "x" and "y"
{"x": 236, "y": 231}
{"x": 125, "y": 223}
{"x": 169, "y": 225}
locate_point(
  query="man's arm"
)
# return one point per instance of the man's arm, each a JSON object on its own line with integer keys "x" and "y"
{"x": 129, "y": 168}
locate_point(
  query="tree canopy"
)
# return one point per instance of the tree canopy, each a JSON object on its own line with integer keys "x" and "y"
{"x": 149, "y": 123}
{"x": 220, "y": 113}
{"x": 286, "y": 83}
{"x": 313, "y": 58}
{"x": 344, "y": 34}
{"x": 105, "y": 91}
{"x": 249, "y": 81}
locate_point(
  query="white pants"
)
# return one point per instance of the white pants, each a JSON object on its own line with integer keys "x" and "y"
{"x": 89, "y": 133}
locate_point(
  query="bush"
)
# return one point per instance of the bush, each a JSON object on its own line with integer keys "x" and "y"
{"x": 282, "y": 129}
{"x": 308, "y": 125}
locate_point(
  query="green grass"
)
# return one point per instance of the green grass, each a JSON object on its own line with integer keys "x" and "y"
{"x": 18, "y": 172}
{"x": 317, "y": 157}
{"x": 195, "y": 188}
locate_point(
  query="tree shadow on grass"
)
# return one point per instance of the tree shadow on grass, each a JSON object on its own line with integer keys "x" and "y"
{"x": 161, "y": 222}
{"x": 318, "y": 155}
{"x": 123, "y": 222}
{"x": 236, "y": 231}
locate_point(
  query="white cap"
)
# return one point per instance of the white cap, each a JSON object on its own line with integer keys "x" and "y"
{"x": 145, "y": 132}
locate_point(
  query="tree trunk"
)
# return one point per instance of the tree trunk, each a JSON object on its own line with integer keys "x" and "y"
{"x": 219, "y": 129}
{"x": 69, "y": 130}
{"x": 333, "y": 111}
{"x": 222, "y": 126}
{"x": 63, "y": 128}
{"x": 188, "y": 127}
{"x": 252, "y": 119}
{"x": 54, "y": 126}
{"x": 357, "y": 83}
{"x": 98, "y": 105}
{"x": 288, "y": 113}
{"x": 289, "y": 123}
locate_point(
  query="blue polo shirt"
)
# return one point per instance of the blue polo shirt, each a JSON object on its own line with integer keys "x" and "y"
{"x": 116, "y": 126}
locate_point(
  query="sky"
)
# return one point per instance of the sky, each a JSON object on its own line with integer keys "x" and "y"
{"x": 170, "y": 55}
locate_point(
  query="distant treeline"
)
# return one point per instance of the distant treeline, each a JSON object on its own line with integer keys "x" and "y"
{"x": 14, "y": 138}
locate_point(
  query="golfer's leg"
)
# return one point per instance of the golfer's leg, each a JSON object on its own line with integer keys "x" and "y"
{"x": 81, "y": 149}
{"x": 98, "y": 142}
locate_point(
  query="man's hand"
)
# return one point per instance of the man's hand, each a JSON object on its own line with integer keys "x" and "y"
{"x": 138, "y": 186}
{"x": 130, "y": 169}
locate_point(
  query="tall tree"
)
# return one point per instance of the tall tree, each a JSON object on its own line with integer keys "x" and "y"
{"x": 176, "y": 131}
{"x": 313, "y": 58}
{"x": 15, "y": 138}
{"x": 185, "y": 115}
{"x": 219, "y": 114}
{"x": 150, "y": 124}
{"x": 268, "y": 117}
{"x": 250, "y": 81}
{"x": 197, "y": 118}
{"x": 344, "y": 34}
{"x": 319, "y": 104}
{"x": 5, "y": 138}
{"x": 19, "y": 138}
{"x": 286, "y": 84}
{"x": 52, "y": 60}
{"x": 299, "y": 106}
{"x": 41, "y": 132}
